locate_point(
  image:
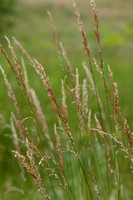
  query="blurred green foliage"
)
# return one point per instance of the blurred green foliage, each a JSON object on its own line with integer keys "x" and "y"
{"x": 7, "y": 5}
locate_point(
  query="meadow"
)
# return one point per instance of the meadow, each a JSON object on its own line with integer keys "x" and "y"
{"x": 29, "y": 23}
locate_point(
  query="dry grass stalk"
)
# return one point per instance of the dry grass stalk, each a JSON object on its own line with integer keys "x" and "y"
{"x": 3, "y": 122}
{"x": 82, "y": 33}
{"x": 64, "y": 105}
{"x": 11, "y": 94}
{"x": 45, "y": 158}
{"x": 30, "y": 157}
{"x": 61, "y": 179}
{"x": 2, "y": 119}
{"x": 101, "y": 72}
{"x": 25, "y": 74}
{"x": 85, "y": 97}
{"x": 77, "y": 102}
{"x": 89, "y": 76}
{"x": 96, "y": 31}
{"x": 56, "y": 37}
{"x": 24, "y": 135}
{"x": 21, "y": 128}
{"x": 71, "y": 92}
{"x": 77, "y": 94}
{"x": 41, "y": 72}
{"x": 94, "y": 182}
{"x": 8, "y": 60}
{"x": 98, "y": 69}
{"x": 15, "y": 138}
{"x": 128, "y": 135}
{"x": 23, "y": 50}
{"x": 14, "y": 189}
{"x": 76, "y": 98}
{"x": 68, "y": 65}
{"x": 17, "y": 67}
{"x": 89, "y": 128}
{"x": 105, "y": 84}
{"x": 39, "y": 69}
{"x": 21, "y": 82}
{"x": 18, "y": 70}
{"x": 16, "y": 144}
{"x": 36, "y": 150}
{"x": 55, "y": 33}
{"x": 53, "y": 174}
{"x": 116, "y": 99}
{"x": 116, "y": 105}
{"x": 33, "y": 172}
{"x": 113, "y": 138}
{"x": 61, "y": 49}
{"x": 95, "y": 91}
{"x": 87, "y": 52}
{"x": 96, "y": 20}
{"x": 41, "y": 116}
{"x": 105, "y": 147}
{"x": 59, "y": 147}
{"x": 24, "y": 85}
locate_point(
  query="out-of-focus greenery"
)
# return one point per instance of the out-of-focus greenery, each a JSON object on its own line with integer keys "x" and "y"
{"x": 6, "y": 5}
{"x": 6, "y": 8}
{"x": 31, "y": 26}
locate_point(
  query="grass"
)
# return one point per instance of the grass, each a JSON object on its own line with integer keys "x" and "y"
{"x": 115, "y": 32}
{"x": 88, "y": 164}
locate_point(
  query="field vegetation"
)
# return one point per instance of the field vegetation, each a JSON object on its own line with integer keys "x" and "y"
{"x": 66, "y": 124}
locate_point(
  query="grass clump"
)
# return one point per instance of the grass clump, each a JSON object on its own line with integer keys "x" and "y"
{"x": 86, "y": 154}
